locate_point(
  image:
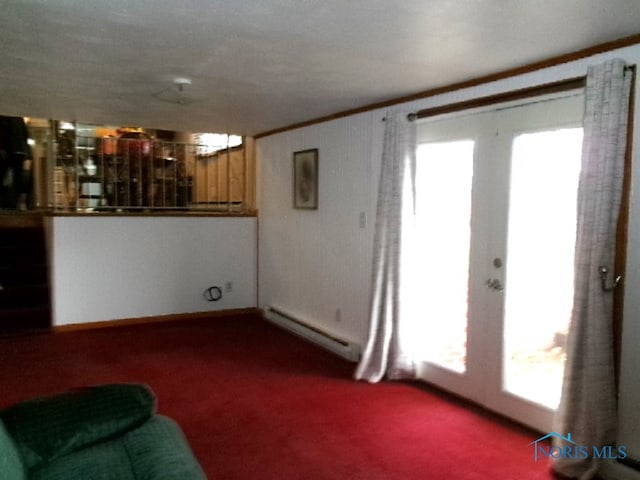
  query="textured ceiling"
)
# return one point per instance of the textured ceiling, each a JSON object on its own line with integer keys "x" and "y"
{"x": 256, "y": 65}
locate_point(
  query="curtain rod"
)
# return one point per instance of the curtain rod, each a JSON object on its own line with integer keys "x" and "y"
{"x": 547, "y": 88}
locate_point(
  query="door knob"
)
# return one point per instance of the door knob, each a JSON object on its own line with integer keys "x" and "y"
{"x": 494, "y": 284}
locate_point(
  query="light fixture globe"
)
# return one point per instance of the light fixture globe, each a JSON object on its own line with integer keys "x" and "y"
{"x": 175, "y": 92}
{"x": 181, "y": 82}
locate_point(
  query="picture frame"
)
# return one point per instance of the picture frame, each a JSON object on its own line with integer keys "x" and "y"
{"x": 305, "y": 179}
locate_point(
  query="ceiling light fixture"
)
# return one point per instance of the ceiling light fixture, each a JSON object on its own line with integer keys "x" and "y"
{"x": 176, "y": 92}
{"x": 181, "y": 82}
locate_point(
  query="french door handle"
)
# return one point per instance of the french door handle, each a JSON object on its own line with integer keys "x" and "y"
{"x": 494, "y": 284}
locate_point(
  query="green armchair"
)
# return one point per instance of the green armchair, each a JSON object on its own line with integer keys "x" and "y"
{"x": 108, "y": 432}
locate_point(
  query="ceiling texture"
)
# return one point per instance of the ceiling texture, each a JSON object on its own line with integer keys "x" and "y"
{"x": 258, "y": 65}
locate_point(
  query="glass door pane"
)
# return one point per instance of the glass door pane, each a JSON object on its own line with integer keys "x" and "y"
{"x": 444, "y": 177}
{"x": 545, "y": 168}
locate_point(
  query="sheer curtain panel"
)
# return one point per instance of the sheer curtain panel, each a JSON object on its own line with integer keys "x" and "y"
{"x": 385, "y": 353}
{"x": 588, "y": 407}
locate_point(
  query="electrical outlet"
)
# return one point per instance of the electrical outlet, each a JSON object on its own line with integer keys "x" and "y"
{"x": 228, "y": 287}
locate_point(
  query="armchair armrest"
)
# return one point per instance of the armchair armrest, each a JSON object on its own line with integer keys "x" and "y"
{"x": 49, "y": 427}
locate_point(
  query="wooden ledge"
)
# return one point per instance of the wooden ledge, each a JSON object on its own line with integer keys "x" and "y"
{"x": 185, "y": 214}
{"x": 17, "y": 219}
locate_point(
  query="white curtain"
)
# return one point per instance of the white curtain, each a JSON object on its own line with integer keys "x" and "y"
{"x": 385, "y": 353}
{"x": 588, "y": 406}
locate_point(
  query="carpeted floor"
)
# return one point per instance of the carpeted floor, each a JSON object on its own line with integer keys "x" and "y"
{"x": 258, "y": 403}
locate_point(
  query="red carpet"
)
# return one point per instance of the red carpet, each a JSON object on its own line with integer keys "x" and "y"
{"x": 258, "y": 403}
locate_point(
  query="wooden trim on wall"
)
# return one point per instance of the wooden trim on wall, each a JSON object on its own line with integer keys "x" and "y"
{"x": 510, "y": 96}
{"x": 622, "y": 237}
{"x": 126, "y": 322}
{"x": 513, "y": 72}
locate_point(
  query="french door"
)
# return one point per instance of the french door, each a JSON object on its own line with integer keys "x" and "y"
{"x": 490, "y": 274}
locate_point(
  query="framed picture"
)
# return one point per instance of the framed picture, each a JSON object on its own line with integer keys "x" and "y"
{"x": 305, "y": 179}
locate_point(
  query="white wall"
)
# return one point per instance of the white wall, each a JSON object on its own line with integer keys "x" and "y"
{"x": 312, "y": 262}
{"x": 128, "y": 267}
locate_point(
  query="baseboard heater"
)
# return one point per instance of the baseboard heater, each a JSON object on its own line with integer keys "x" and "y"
{"x": 343, "y": 348}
